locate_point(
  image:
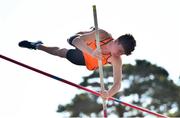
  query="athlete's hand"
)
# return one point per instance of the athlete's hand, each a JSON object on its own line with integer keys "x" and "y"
{"x": 104, "y": 94}
{"x": 97, "y": 54}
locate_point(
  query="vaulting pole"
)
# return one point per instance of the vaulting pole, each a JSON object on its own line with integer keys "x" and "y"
{"x": 99, "y": 60}
{"x": 78, "y": 86}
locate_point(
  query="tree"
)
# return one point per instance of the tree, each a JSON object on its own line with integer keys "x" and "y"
{"x": 147, "y": 85}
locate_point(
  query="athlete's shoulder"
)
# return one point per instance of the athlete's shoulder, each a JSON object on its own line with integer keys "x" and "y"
{"x": 104, "y": 34}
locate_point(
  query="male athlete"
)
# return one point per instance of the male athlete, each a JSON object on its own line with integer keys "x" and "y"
{"x": 86, "y": 53}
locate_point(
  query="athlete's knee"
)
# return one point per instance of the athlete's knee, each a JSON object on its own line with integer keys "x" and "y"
{"x": 61, "y": 52}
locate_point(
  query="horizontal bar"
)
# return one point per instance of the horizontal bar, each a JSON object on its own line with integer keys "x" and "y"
{"x": 78, "y": 86}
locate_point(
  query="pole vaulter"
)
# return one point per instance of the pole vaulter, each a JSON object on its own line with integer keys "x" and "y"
{"x": 80, "y": 87}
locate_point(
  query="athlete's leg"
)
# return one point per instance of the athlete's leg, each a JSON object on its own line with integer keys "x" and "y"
{"x": 75, "y": 56}
{"x": 54, "y": 50}
{"x": 39, "y": 45}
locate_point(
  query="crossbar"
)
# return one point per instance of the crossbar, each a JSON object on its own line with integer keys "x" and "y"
{"x": 78, "y": 86}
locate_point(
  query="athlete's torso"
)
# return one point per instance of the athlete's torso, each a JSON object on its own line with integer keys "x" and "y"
{"x": 92, "y": 62}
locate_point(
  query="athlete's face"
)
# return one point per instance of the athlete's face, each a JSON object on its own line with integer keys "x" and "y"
{"x": 117, "y": 49}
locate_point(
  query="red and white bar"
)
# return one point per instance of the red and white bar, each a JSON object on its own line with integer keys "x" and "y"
{"x": 80, "y": 87}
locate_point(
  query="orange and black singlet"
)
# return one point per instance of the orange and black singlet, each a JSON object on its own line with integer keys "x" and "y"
{"x": 91, "y": 62}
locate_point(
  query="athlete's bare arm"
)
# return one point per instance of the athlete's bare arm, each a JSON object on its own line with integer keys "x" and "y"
{"x": 80, "y": 41}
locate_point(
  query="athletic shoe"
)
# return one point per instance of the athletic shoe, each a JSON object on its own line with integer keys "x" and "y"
{"x": 29, "y": 45}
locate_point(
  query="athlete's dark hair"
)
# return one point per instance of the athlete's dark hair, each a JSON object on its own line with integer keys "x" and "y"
{"x": 128, "y": 42}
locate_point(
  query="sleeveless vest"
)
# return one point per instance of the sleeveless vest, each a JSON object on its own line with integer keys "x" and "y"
{"x": 91, "y": 62}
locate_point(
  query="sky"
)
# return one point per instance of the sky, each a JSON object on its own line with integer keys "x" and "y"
{"x": 154, "y": 24}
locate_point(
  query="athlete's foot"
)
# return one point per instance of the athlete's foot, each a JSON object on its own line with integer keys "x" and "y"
{"x": 29, "y": 45}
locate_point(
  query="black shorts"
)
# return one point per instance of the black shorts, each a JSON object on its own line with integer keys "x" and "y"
{"x": 75, "y": 56}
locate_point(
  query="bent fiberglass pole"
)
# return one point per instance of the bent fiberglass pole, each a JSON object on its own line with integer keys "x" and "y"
{"x": 78, "y": 86}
